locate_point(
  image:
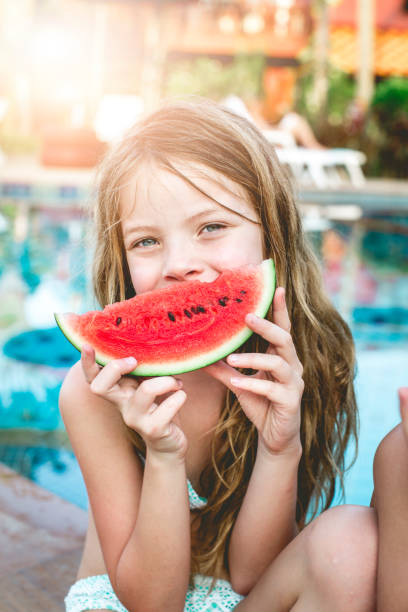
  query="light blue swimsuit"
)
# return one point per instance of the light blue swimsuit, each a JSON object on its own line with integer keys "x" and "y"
{"x": 96, "y": 592}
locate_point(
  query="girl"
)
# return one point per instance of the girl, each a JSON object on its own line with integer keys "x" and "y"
{"x": 201, "y": 485}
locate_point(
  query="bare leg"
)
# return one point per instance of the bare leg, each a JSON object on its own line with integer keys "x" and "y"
{"x": 391, "y": 502}
{"x": 92, "y": 563}
{"x": 330, "y": 565}
{"x": 300, "y": 130}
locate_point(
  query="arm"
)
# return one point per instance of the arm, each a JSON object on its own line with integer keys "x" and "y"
{"x": 266, "y": 521}
{"x": 271, "y": 400}
{"x": 142, "y": 518}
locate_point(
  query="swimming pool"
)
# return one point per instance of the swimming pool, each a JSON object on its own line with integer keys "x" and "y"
{"x": 51, "y": 463}
{"x": 44, "y": 268}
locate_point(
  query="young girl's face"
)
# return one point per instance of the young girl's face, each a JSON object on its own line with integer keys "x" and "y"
{"x": 172, "y": 232}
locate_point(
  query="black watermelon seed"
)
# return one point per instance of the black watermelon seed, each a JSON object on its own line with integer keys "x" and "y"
{"x": 222, "y": 302}
{"x": 171, "y": 316}
{"x": 242, "y": 291}
{"x": 194, "y": 310}
{"x": 201, "y": 309}
{"x": 118, "y": 320}
{"x": 238, "y": 300}
{"x": 187, "y": 313}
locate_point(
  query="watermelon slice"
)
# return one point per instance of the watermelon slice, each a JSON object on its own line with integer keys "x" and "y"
{"x": 179, "y": 328}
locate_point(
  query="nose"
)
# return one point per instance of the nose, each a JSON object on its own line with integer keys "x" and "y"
{"x": 181, "y": 263}
{"x": 182, "y": 270}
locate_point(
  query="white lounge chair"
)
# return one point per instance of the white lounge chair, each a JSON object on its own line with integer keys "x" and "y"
{"x": 280, "y": 138}
{"x": 321, "y": 168}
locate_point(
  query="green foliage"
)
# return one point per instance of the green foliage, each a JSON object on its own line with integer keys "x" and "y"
{"x": 391, "y": 97}
{"x": 211, "y": 78}
{"x": 341, "y": 91}
{"x": 388, "y": 118}
{"x": 381, "y": 132}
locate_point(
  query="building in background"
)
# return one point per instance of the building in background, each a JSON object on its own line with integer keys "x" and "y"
{"x": 390, "y": 39}
{"x": 59, "y": 59}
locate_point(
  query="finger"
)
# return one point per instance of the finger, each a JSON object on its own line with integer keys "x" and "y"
{"x": 148, "y": 390}
{"x": 111, "y": 374}
{"x": 279, "y": 339}
{"x": 403, "y": 400}
{"x": 167, "y": 410}
{"x": 259, "y": 386}
{"x": 272, "y": 364}
{"x": 280, "y": 315}
{"x": 89, "y": 366}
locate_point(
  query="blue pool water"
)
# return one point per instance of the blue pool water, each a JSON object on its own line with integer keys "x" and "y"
{"x": 380, "y": 373}
{"x": 44, "y": 272}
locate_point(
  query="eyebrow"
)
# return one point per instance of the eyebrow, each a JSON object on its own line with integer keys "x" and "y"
{"x": 149, "y": 228}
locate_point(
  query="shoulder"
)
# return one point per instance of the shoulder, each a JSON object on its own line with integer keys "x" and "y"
{"x": 84, "y": 412}
{"x": 74, "y": 387}
{"x": 74, "y": 378}
{"x": 89, "y": 418}
{"x": 76, "y": 395}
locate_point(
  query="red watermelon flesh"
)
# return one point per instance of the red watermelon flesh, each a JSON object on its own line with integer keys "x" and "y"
{"x": 180, "y": 328}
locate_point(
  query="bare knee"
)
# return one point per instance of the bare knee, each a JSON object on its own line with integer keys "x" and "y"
{"x": 342, "y": 557}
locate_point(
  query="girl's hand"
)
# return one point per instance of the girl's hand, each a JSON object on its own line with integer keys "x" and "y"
{"x": 403, "y": 401}
{"x": 157, "y": 423}
{"x": 271, "y": 398}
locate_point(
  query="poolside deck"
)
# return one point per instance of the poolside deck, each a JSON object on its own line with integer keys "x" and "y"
{"x": 40, "y": 540}
{"x": 24, "y": 181}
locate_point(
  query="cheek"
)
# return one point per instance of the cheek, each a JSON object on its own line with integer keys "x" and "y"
{"x": 248, "y": 247}
{"x": 143, "y": 275}
{"x": 243, "y": 249}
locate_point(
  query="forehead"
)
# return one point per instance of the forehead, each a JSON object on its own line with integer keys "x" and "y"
{"x": 150, "y": 188}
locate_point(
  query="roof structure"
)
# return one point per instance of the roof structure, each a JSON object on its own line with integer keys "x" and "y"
{"x": 391, "y": 37}
{"x": 222, "y": 32}
{"x": 388, "y": 14}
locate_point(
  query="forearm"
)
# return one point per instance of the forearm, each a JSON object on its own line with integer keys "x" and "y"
{"x": 266, "y": 522}
{"x": 153, "y": 570}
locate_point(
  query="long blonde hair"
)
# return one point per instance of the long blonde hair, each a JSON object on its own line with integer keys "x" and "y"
{"x": 202, "y": 132}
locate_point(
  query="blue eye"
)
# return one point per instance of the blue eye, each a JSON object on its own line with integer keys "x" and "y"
{"x": 142, "y": 243}
{"x": 211, "y": 227}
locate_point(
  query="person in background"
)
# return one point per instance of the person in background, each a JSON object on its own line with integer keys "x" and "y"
{"x": 291, "y": 123}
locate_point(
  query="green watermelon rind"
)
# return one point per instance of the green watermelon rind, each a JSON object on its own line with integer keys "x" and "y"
{"x": 170, "y": 368}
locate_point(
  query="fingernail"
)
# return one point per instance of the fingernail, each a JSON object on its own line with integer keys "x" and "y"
{"x": 131, "y": 360}
{"x": 252, "y": 318}
{"x": 179, "y": 382}
{"x": 235, "y": 381}
{"x": 233, "y": 358}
